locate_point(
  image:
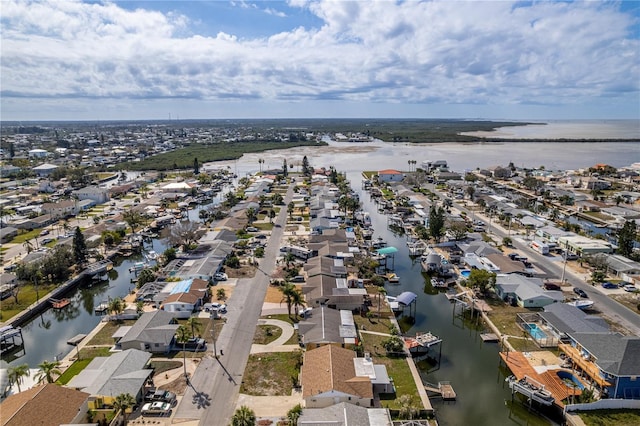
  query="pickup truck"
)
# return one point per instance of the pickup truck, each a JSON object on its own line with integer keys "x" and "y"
{"x": 159, "y": 395}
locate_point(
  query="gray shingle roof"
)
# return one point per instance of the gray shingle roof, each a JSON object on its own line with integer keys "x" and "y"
{"x": 615, "y": 354}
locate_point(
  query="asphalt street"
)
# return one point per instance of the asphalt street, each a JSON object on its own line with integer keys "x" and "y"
{"x": 215, "y": 385}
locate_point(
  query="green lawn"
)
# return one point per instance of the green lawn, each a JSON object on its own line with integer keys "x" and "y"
{"x": 266, "y": 334}
{"x": 103, "y": 337}
{"x": 73, "y": 370}
{"x": 611, "y": 417}
{"x": 27, "y": 295}
{"x": 25, "y": 236}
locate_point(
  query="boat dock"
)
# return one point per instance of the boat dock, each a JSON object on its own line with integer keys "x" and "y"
{"x": 75, "y": 340}
{"x": 489, "y": 337}
{"x": 444, "y": 389}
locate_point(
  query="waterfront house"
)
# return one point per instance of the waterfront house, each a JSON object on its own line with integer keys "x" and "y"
{"x": 525, "y": 292}
{"x": 328, "y": 326}
{"x": 610, "y": 360}
{"x": 346, "y": 414}
{"x": 328, "y": 377}
{"x": 390, "y": 175}
{"x": 565, "y": 320}
{"x": 46, "y": 405}
{"x": 106, "y": 377}
{"x": 153, "y": 332}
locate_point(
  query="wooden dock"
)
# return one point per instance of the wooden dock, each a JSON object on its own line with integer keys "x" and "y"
{"x": 489, "y": 337}
{"x": 444, "y": 389}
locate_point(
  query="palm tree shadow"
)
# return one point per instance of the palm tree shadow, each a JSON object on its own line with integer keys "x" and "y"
{"x": 200, "y": 399}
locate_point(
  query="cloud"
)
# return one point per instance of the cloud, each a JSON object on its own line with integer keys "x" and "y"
{"x": 498, "y": 52}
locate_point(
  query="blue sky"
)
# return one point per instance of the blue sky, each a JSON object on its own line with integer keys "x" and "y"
{"x": 95, "y": 60}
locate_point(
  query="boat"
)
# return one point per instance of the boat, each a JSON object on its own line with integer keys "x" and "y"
{"x": 152, "y": 255}
{"x": 582, "y": 304}
{"x": 102, "y": 307}
{"x": 378, "y": 243}
{"x": 438, "y": 283}
{"x": 137, "y": 267}
{"x": 531, "y": 389}
{"x": 59, "y": 303}
{"x": 392, "y": 278}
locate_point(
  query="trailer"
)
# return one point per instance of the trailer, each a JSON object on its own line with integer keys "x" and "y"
{"x": 299, "y": 252}
{"x": 540, "y": 247}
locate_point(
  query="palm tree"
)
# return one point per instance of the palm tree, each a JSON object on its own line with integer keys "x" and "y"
{"x": 17, "y": 373}
{"x": 183, "y": 336}
{"x": 116, "y": 305}
{"x": 244, "y": 416}
{"x": 28, "y": 245}
{"x": 288, "y": 291}
{"x": 122, "y": 403}
{"x": 290, "y": 208}
{"x": 294, "y": 414}
{"x": 272, "y": 215}
{"x": 195, "y": 325}
{"x": 297, "y": 300}
{"x": 381, "y": 292}
{"x": 48, "y": 370}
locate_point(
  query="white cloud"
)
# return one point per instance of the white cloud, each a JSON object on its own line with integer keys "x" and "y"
{"x": 493, "y": 53}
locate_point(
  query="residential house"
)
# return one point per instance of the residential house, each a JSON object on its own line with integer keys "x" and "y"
{"x": 333, "y": 292}
{"x": 611, "y": 360}
{"x": 328, "y": 326}
{"x": 345, "y": 414}
{"x": 63, "y": 208}
{"x": 38, "y": 153}
{"x": 153, "y": 332}
{"x": 184, "y": 297}
{"x": 525, "y": 292}
{"x": 565, "y": 320}
{"x": 99, "y": 195}
{"x": 390, "y": 175}
{"x": 328, "y": 377}
{"x": 107, "y": 377}
{"x": 46, "y": 405}
{"x": 584, "y": 246}
{"x": 7, "y": 233}
{"x": 44, "y": 170}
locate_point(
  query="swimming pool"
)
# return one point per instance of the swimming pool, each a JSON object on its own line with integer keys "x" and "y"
{"x": 534, "y": 331}
{"x": 570, "y": 380}
{"x": 465, "y": 273}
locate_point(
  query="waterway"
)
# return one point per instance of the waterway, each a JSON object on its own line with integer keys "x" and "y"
{"x": 470, "y": 365}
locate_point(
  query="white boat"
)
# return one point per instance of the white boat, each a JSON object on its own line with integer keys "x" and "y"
{"x": 392, "y": 278}
{"x": 152, "y": 255}
{"x": 438, "y": 283}
{"x": 581, "y": 304}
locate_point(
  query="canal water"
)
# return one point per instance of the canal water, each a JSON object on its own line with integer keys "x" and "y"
{"x": 472, "y": 366}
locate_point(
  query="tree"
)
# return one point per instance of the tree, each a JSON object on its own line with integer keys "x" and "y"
{"x": 458, "y": 230}
{"x": 381, "y": 293}
{"x": 436, "y": 222}
{"x": 251, "y": 215}
{"x": 243, "y": 416}
{"x": 626, "y": 238}
{"x": 481, "y": 279}
{"x": 272, "y": 215}
{"x": 183, "y": 233}
{"x": 169, "y": 255}
{"x": 28, "y": 245}
{"x": 306, "y": 170}
{"x": 407, "y": 410}
{"x": 196, "y": 166}
{"x": 290, "y": 208}
{"x": 470, "y": 191}
{"x": 145, "y": 276}
{"x": 393, "y": 344}
{"x": 80, "y": 251}
{"x": 122, "y": 403}
{"x": 285, "y": 169}
{"x": 294, "y": 414}
{"x": 195, "y": 325}
{"x": 277, "y": 199}
{"x": 221, "y": 294}
{"x": 182, "y": 336}
{"x": 133, "y": 219}
{"x": 288, "y": 296}
{"x": 297, "y": 300}
{"x": 47, "y": 371}
{"x": 17, "y": 373}
{"x": 116, "y": 305}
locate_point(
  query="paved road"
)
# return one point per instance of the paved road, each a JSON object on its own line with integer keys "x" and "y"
{"x": 608, "y": 306}
{"x": 215, "y": 384}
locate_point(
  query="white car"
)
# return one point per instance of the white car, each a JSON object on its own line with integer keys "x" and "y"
{"x": 157, "y": 407}
{"x": 630, "y": 288}
{"x": 220, "y": 276}
{"x": 220, "y": 307}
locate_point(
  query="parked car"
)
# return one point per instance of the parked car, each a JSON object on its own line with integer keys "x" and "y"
{"x": 196, "y": 344}
{"x": 252, "y": 229}
{"x": 608, "y": 284}
{"x": 220, "y": 276}
{"x": 305, "y": 312}
{"x": 221, "y": 307}
{"x": 44, "y": 232}
{"x": 260, "y": 237}
{"x": 156, "y": 408}
{"x": 160, "y": 395}
{"x": 297, "y": 279}
{"x": 580, "y": 292}
{"x": 630, "y": 288}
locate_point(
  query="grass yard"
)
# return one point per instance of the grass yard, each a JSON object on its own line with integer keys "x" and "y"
{"x": 27, "y": 295}
{"x": 25, "y": 236}
{"x": 90, "y": 353}
{"x": 611, "y": 417}
{"x": 266, "y": 334}
{"x": 162, "y": 366}
{"x": 103, "y": 337}
{"x": 271, "y": 374}
{"x": 73, "y": 370}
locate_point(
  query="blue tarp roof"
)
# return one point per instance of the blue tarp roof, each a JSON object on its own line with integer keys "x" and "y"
{"x": 406, "y": 298}
{"x": 182, "y": 286}
{"x": 387, "y": 250}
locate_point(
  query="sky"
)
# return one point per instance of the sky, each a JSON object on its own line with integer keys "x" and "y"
{"x": 520, "y": 60}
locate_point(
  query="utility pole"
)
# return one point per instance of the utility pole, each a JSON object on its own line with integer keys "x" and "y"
{"x": 564, "y": 267}
{"x": 213, "y": 334}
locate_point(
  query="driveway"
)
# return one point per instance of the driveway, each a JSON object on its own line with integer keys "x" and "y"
{"x": 277, "y": 345}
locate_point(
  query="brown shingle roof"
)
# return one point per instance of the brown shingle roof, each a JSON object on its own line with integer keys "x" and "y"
{"x": 329, "y": 368}
{"x": 48, "y": 405}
